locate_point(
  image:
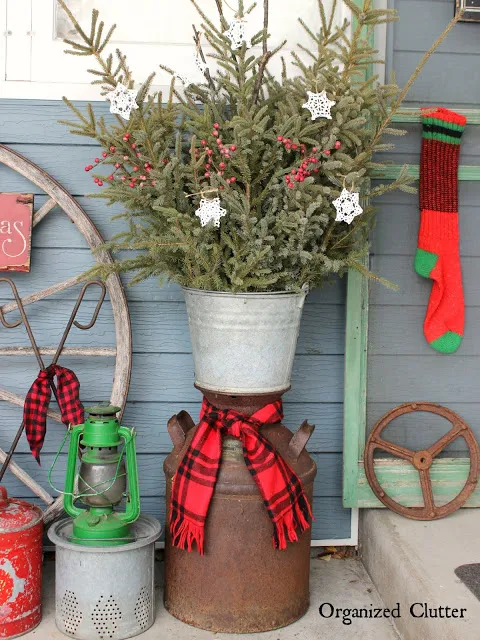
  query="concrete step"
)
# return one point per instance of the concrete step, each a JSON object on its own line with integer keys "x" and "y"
{"x": 343, "y": 583}
{"x": 413, "y": 562}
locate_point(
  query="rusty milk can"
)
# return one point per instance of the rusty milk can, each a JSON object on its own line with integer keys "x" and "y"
{"x": 21, "y": 527}
{"x": 242, "y": 584}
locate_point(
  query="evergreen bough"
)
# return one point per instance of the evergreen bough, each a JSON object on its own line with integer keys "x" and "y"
{"x": 273, "y": 237}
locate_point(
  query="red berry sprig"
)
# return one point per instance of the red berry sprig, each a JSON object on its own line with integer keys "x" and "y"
{"x": 224, "y": 150}
{"x": 119, "y": 166}
{"x": 304, "y": 170}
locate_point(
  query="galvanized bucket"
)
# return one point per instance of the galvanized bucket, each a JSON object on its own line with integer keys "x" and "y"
{"x": 243, "y": 343}
{"x": 105, "y": 592}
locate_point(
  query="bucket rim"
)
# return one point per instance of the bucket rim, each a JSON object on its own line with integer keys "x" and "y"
{"x": 246, "y": 294}
{"x": 155, "y": 532}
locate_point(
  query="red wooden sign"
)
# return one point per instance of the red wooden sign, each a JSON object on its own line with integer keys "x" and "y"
{"x": 16, "y": 210}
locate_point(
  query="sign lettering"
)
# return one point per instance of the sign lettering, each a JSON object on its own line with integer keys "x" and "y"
{"x": 16, "y": 210}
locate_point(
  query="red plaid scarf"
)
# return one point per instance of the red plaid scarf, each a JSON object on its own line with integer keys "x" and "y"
{"x": 38, "y": 399}
{"x": 194, "y": 481}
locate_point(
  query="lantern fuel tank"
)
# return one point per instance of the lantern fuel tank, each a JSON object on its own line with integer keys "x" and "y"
{"x": 21, "y": 527}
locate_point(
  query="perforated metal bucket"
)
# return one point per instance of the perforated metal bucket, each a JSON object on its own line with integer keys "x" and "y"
{"x": 105, "y": 592}
{"x": 243, "y": 343}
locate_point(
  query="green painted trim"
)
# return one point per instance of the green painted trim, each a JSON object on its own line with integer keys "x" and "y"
{"x": 401, "y": 482}
{"x": 413, "y": 115}
{"x": 355, "y": 391}
{"x": 391, "y": 172}
{"x": 355, "y": 394}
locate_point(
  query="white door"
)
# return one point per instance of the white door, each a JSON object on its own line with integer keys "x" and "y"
{"x": 33, "y": 65}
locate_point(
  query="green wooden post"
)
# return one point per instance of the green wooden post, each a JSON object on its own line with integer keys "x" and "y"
{"x": 355, "y": 380}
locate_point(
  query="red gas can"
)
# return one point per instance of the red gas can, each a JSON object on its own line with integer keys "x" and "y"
{"x": 21, "y": 528}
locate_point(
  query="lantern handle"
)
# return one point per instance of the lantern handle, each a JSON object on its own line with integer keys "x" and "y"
{"x": 132, "y": 510}
{"x": 68, "y": 497}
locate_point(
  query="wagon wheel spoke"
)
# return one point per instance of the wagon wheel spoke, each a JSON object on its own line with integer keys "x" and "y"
{"x": 396, "y": 449}
{"x": 107, "y": 352}
{"x": 427, "y": 491}
{"x": 27, "y": 480}
{"x": 39, "y": 215}
{"x": 19, "y": 401}
{"x": 40, "y": 295}
{"x": 445, "y": 440}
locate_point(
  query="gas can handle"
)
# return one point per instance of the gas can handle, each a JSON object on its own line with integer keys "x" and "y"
{"x": 178, "y": 427}
{"x": 299, "y": 439}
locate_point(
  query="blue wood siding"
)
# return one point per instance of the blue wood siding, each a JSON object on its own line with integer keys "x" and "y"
{"x": 162, "y": 376}
{"x": 402, "y": 367}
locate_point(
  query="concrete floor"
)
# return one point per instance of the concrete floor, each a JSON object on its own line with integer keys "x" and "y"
{"x": 412, "y": 561}
{"x": 344, "y": 583}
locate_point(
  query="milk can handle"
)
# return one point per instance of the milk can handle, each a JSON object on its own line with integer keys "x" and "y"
{"x": 299, "y": 439}
{"x": 178, "y": 427}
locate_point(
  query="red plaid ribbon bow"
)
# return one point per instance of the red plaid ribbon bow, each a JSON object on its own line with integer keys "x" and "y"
{"x": 195, "y": 479}
{"x": 38, "y": 399}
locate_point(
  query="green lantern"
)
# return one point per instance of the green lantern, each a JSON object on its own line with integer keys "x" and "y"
{"x": 102, "y": 479}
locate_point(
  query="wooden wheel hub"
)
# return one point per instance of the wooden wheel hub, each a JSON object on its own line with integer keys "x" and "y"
{"x": 423, "y": 461}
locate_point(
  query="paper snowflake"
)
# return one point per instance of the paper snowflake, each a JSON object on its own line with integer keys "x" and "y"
{"x": 122, "y": 100}
{"x": 347, "y": 206}
{"x": 236, "y": 34}
{"x": 201, "y": 65}
{"x": 183, "y": 79}
{"x": 319, "y": 105}
{"x": 210, "y": 210}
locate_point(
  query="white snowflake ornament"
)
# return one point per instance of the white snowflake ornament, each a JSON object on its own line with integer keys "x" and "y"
{"x": 236, "y": 34}
{"x": 347, "y": 206}
{"x": 319, "y": 105}
{"x": 210, "y": 210}
{"x": 183, "y": 79}
{"x": 201, "y": 65}
{"x": 122, "y": 100}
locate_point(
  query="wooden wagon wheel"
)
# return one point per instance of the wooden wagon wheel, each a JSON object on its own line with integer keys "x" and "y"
{"x": 59, "y": 196}
{"x": 422, "y": 461}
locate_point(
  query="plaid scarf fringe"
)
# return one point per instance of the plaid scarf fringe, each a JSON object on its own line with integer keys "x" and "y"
{"x": 185, "y": 533}
{"x": 297, "y": 518}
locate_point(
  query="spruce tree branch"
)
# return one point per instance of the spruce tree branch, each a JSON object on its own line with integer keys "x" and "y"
{"x": 403, "y": 94}
{"x": 265, "y": 26}
{"x": 75, "y": 23}
{"x": 261, "y": 70}
{"x": 196, "y": 39}
{"x": 223, "y": 21}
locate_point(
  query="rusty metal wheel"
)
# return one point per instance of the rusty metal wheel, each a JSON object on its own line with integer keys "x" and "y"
{"x": 422, "y": 461}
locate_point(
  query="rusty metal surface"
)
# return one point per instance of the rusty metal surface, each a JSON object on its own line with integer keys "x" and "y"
{"x": 422, "y": 461}
{"x": 242, "y": 584}
{"x": 21, "y": 529}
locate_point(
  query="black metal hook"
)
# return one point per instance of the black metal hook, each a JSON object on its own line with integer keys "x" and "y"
{"x": 6, "y": 324}
{"x": 24, "y": 319}
{"x": 103, "y": 288}
{"x": 72, "y": 320}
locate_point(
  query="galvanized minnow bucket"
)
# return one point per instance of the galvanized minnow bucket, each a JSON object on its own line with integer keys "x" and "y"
{"x": 243, "y": 343}
{"x": 105, "y": 592}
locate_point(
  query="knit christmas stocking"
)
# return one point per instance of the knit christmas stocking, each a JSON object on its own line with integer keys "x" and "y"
{"x": 438, "y": 255}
